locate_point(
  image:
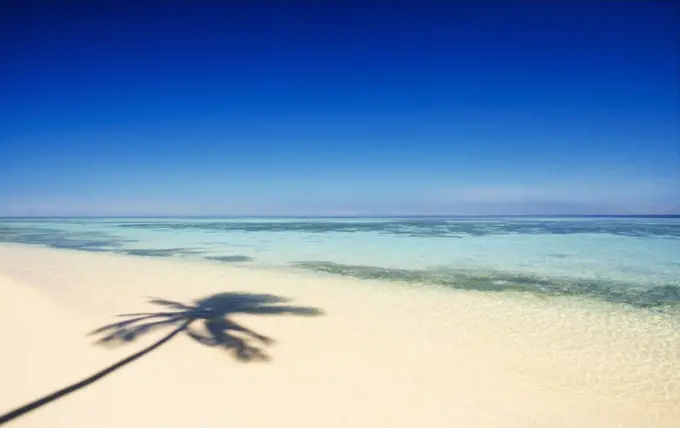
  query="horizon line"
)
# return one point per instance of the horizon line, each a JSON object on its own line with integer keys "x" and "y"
{"x": 219, "y": 216}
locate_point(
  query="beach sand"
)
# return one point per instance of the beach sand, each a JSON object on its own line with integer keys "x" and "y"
{"x": 381, "y": 355}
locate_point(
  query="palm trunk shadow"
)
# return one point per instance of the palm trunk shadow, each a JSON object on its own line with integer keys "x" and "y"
{"x": 7, "y": 417}
{"x": 214, "y": 311}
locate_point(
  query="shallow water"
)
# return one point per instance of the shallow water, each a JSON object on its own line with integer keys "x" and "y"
{"x": 634, "y": 261}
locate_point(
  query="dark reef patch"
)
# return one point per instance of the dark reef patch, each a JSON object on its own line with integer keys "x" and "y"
{"x": 157, "y": 252}
{"x": 638, "y": 295}
{"x": 55, "y": 238}
{"x": 450, "y": 228}
{"x": 558, "y": 256}
{"x": 230, "y": 259}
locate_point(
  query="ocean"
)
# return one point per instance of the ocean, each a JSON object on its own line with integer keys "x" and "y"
{"x": 632, "y": 261}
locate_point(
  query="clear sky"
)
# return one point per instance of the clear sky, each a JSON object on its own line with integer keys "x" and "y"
{"x": 339, "y": 107}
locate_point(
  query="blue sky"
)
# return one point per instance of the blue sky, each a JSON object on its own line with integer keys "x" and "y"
{"x": 340, "y": 108}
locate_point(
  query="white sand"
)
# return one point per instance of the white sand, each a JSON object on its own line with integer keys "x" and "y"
{"x": 383, "y": 355}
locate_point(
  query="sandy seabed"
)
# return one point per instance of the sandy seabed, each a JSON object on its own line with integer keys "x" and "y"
{"x": 381, "y": 354}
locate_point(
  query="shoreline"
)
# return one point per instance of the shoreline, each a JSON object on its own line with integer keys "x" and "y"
{"x": 381, "y": 355}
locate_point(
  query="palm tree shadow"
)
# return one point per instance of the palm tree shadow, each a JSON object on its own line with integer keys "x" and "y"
{"x": 212, "y": 312}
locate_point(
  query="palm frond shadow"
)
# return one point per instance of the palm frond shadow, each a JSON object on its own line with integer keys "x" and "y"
{"x": 218, "y": 331}
{"x": 213, "y": 313}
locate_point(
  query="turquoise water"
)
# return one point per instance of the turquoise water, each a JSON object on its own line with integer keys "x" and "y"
{"x": 633, "y": 261}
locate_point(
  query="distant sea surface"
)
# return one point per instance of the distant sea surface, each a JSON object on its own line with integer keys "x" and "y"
{"x": 633, "y": 261}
